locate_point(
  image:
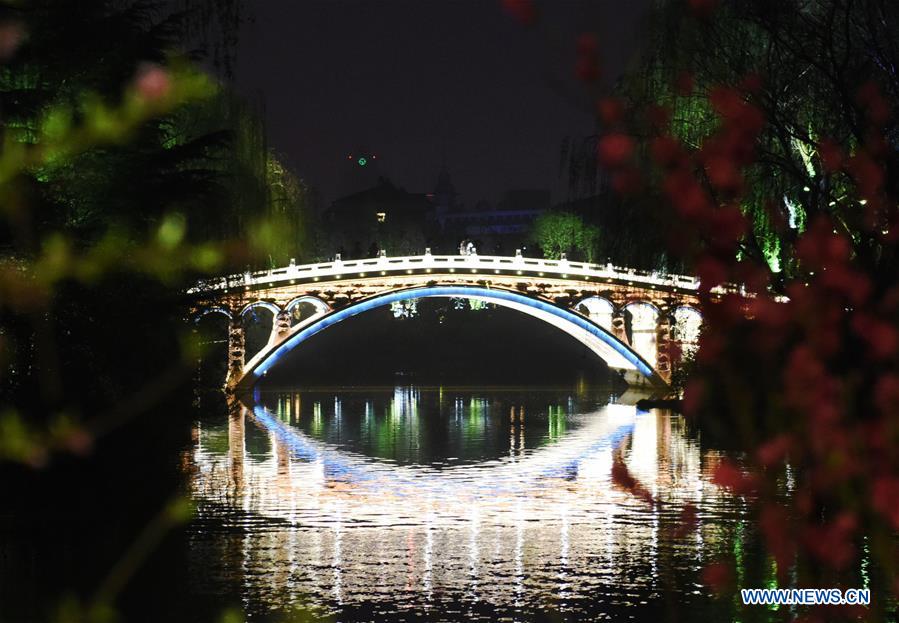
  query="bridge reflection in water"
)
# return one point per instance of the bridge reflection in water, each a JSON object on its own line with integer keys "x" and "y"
{"x": 344, "y": 500}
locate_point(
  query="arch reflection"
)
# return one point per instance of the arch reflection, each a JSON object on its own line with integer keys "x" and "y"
{"x": 537, "y": 522}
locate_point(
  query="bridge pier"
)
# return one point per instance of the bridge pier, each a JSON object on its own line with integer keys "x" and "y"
{"x": 237, "y": 442}
{"x": 663, "y": 347}
{"x": 236, "y": 350}
{"x": 619, "y": 325}
{"x": 280, "y": 326}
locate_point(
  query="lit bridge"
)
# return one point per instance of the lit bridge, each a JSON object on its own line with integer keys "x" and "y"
{"x": 629, "y": 318}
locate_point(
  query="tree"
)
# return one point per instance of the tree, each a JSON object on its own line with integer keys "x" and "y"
{"x": 564, "y": 232}
{"x": 196, "y": 171}
{"x": 124, "y": 175}
{"x": 769, "y": 130}
{"x": 587, "y": 242}
{"x": 819, "y": 73}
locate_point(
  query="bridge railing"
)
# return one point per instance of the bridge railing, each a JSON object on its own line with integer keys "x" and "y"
{"x": 487, "y": 264}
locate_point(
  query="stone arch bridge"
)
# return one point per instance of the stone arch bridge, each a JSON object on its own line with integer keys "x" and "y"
{"x": 627, "y": 317}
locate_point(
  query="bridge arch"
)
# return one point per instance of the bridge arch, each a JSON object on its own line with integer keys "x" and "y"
{"x": 636, "y": 305}
{"x": 598, "y": 309}
{"x": 263, "y": 304}
{"x": 257, "y": 327}
{"x": 212, "y": 326}
{"x": 293, "y": 307}
{"x": 686, "y": 311}
{"x": 613, "y": 351}
{"x": 202, "y": 313}
{"x": 642, "y": 318}
{"x": 686, "y": 328}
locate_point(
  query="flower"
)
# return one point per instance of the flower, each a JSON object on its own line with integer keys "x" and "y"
{"x": 885, "y": 498}
{"x": 718, "y": 576}
{"x": 153, "y": 82}
{"x": 775, "y": 526}
{"x": 12, "y": 34}
{"x": 886, "y": 394}
{"x": 615, "y": 149}
{"x": 831, "y": 155}
{"x": 622, "y": 477}
{"x": 729, "y": 476}
{"x": 774, "y": 450}
{"x": 712, "y": 272}
{"x": 831, "y": 543}
{"x": 610, "y": 110}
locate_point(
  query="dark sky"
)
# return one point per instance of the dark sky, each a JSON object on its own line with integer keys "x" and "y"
{"x": 413, "y": 80}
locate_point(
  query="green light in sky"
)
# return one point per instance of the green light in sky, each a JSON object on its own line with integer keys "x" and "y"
{"x": 362, "y": 161}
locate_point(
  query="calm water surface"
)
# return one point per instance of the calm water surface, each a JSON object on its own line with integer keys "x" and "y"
{"x": 408, "y": 503}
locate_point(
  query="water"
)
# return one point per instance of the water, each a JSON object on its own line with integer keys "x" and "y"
{"x": 409, "y": 503}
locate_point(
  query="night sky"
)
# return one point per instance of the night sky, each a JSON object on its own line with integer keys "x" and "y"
{"x": 414, "y": 81}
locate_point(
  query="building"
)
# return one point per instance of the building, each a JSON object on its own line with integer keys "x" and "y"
{"x": 496, "y": 229}
{"x": 379, "y": 215}
{"x": 382, "y": 217}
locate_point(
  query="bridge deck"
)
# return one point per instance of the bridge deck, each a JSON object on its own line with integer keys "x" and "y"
{"x": 453, "y": 264}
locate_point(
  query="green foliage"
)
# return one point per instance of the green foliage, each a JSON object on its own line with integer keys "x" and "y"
{"x": 125, "y": 174}
{"x": 803, "y": 64}
{"x": 588, "y": 242}
{"x": 164, "y": 180}
{"x": 290, "y": 208}
{"x": 805, "y": 93}
{"x": 564, "y": 232}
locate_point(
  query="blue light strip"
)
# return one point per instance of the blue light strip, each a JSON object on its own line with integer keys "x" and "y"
{"x": 312, "y": 300}
{"x": 212, "y": 310}
{"x": 492, "y": 295}
{"x": 345, "y": 466}
{"x": 269, "y": 306}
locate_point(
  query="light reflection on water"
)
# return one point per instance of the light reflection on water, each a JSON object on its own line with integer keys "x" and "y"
{"x": 443, "y": 503}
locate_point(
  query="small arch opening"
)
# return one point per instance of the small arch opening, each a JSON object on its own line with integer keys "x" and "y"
{"x": 686, "y": 329}
{"x": 641, "y": 323}
{"x": 257, "y": 321}
{"x": 597, "y": 309}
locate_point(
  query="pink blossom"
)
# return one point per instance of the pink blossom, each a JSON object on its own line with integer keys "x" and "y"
{"x": 153, "y": 82}
{"x": 694, "y": 393}
{"x": 885, "y": 498}
{"x": 774, "y": 450}
{"x": 615, "y": 149}
{"x": 711, "y": 273}
{"x": 886, "y": 394}
{"x": 622, "y": 477}
{"x": 12, "y": 34}
{"x": 729, "y": 476}
{"x": 668, "y": 151}
{"x": 831, "y": 155}
{"x": 775, "y": 526}
{"x": 610, "y": 110}
{"x": 718, "y": 576}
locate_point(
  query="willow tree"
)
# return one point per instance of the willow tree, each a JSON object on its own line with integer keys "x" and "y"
{"x": 124, "y": 175}
{"x": 200, "y": 172}
{"x": 290, "y": 208}
{"x": 771, "y": 130}
{"x": 814, "y": 69}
